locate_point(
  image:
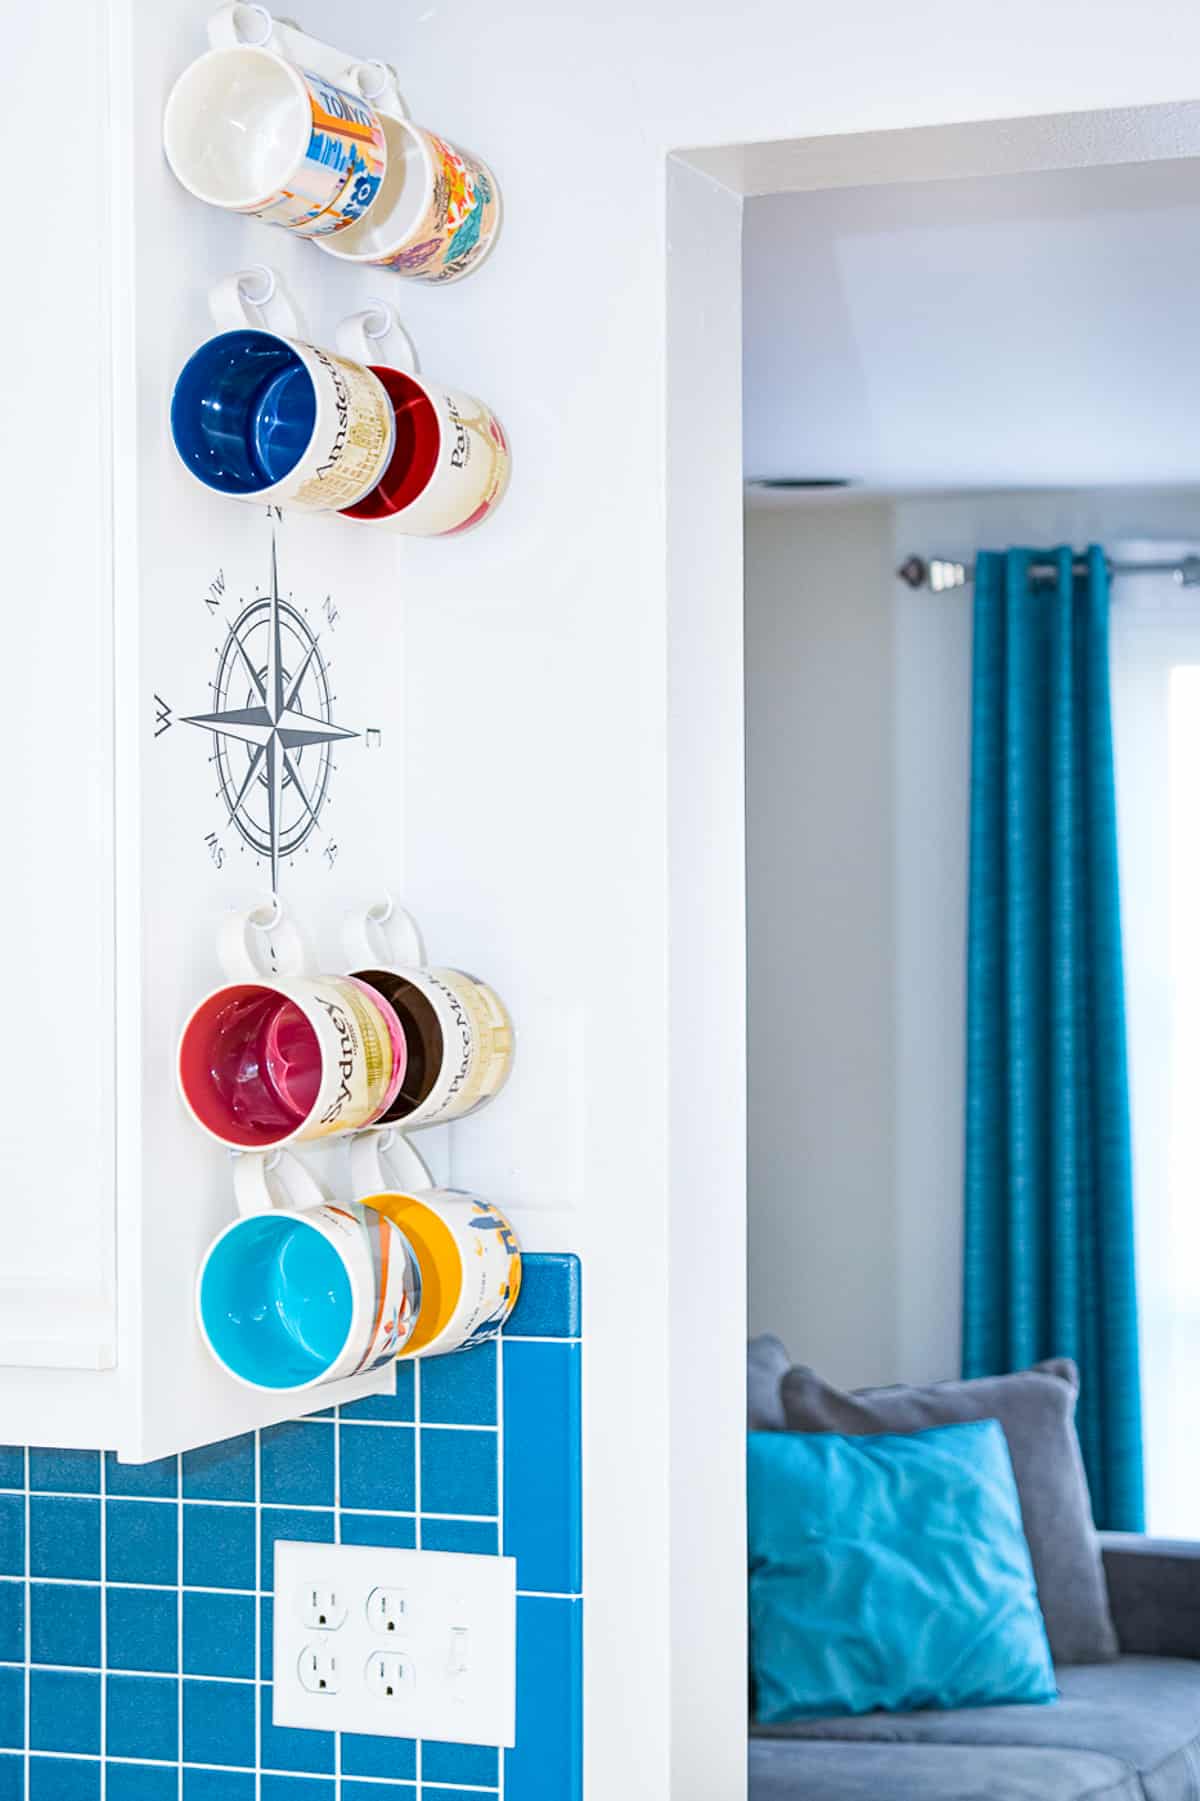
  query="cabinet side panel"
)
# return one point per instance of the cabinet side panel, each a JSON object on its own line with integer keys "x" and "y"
{"x": 212, "y": 593}
{"x": 56, "y": 913}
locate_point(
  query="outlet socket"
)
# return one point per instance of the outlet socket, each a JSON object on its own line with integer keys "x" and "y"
{"x": 389, "y": 1612}
{"x": 317, "y": 1668}
{"x": 323, "y": 1608}
{"x": 391, "y": 1676}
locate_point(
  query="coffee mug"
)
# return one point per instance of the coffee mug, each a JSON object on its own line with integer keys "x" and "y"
{"x": 266, "y": 417}
{"x": 276, "y": 1055}
{"x": 450, "y": 463}
{"x": 247, "y": 130}
{"x": 436, "y": 215}
{"x": 457, "y": 1032}
{"x": 467, "y": 1251}
{"x": 291, "y": 1297}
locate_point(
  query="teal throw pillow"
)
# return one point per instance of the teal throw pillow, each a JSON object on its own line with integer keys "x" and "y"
{"x": 891, "y": 1572}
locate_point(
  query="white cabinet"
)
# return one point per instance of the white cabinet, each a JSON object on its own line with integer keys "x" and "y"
{"x": 137, "y": 601}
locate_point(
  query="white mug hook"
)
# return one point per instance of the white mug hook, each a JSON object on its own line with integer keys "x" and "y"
{"x": 369, "y": 1174}
{"x": 228, "y": 26}
{"x": 375, "y": 88}
{"x": 262, "y": 14}
{"x": 241, "y": 299}
{"x": 376, "y": 336}
{"x": 258, "y": 1176}
{"x": 375, "y": 82}
{"x": 262, "y": 944}
{"x": 383, "y": 932}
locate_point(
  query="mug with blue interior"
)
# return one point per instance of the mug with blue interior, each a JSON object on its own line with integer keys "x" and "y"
{"x": 261, "y": 417}
{"x": 291, "y": 1297}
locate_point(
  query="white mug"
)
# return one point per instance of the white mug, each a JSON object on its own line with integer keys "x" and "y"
{"x": 457, "y": 1031}
{"x": 246, "y": 130}
{"x": 437, "y": 213}
{"x": 309, "y": 1292}
{"x": 467, "y": 1251}
{"x": 450, "y": 462}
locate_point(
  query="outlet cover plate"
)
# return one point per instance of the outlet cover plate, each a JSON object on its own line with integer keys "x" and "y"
{"x": 459, "y": 1629}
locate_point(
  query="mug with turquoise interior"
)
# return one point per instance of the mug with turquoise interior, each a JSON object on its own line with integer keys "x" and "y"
{"x": 287, "y": 1299}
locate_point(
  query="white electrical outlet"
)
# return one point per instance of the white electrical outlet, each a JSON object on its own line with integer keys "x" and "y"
{"x": 402, "y": 1644}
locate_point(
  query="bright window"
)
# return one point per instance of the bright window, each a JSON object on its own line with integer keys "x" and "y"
{"x": 1156, "y": 706}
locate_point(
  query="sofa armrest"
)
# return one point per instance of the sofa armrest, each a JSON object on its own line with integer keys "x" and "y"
{"x": 1154, "y": 1593}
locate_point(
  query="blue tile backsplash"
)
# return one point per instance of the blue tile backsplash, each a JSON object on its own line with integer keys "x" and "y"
{"x": 135, "y": 1600}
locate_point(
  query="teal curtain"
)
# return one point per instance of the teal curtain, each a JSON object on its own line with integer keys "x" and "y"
{"x": 1049, "y": 1251}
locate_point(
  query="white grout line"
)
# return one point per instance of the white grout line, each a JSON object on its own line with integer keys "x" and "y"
{"x": 534, "y": 1338}
{"x": 417, "y": 1754}
{"x": 28, "y": 1684}
{"x": 337, "y": 1539}
{"x": 276, "y": 1506}
{"x": 103, "y": 1630}
{"x": 228, "y": 1769}
{"x": 500, "y": 1754}
{"x": 258, "y": 1616}
{"x": 179, "y": 1612}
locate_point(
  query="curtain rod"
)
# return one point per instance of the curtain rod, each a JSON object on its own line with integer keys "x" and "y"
{"x": 940, "y": 574}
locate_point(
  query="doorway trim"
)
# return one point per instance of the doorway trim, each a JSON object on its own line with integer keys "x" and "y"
{"x": 707, "y": 1204}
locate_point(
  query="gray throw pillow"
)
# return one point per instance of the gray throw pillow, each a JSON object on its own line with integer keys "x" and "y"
{"x": 767, "y": 1362}
{"x": 1036, "y": 1408}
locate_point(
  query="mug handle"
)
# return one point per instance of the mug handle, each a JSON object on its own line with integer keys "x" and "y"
{"x": 259, "y": 1176}
{"x": 261, "y": 945}
{"x": 376, "y": 336}
{"x": 383, "y": 933}
{"x": 369, "y": 1174}
{"x": 227, "y": 27}
{"x": 240, "y": 301}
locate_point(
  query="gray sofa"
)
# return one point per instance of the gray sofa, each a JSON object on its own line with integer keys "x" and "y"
{"x": 1122, "y": 1731}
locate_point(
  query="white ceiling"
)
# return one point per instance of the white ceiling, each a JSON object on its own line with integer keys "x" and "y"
{"x": 1038, "y": 330}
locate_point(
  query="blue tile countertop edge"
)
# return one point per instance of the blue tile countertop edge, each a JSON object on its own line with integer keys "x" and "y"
{"x": 550, "y": 1304}
{"x": 136, "y": 1604}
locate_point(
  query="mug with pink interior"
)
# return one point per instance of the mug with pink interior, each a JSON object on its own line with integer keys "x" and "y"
{"x": 278, "y": 1054}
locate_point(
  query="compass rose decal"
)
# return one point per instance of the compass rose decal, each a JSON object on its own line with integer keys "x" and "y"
{"x": 272, "y": 726}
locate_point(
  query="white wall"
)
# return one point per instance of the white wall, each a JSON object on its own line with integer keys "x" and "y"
{"x": 819, "y": 741}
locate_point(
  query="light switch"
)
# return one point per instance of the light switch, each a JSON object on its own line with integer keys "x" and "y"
{"x": 401, "y": 1644}
{"x": 458, "y": 1650}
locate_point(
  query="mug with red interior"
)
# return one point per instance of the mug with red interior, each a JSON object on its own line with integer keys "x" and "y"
{"x": 450, "y": 460}
{"x": 279, "y": 1054}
